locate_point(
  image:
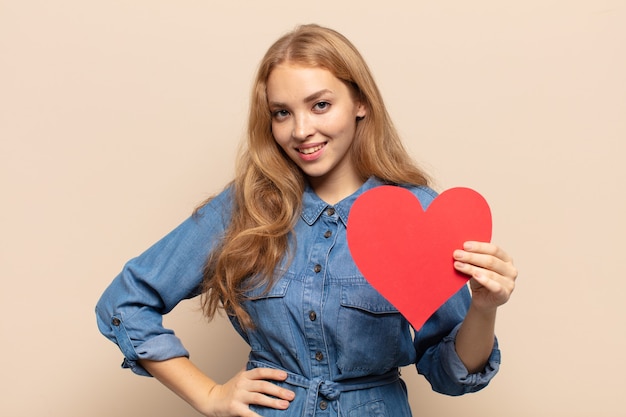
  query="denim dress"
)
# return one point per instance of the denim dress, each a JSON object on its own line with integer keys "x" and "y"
{"x": 340, "y": 342}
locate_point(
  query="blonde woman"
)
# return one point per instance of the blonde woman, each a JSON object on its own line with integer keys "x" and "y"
{"x": 271, "y": 251}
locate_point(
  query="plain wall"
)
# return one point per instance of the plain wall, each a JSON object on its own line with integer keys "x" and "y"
{"x": 118, "y": 117}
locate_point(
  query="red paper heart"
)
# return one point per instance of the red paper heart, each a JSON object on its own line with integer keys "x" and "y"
{"x": 406, "y": 253}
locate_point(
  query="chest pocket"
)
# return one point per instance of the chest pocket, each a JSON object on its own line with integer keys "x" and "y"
{"x": 369, "y": 331}
{"x": 270, "y": 314}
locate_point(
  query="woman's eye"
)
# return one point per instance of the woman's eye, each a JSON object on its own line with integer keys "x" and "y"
{"x": 322, "y": 105}
{"x": 280, "y": 114}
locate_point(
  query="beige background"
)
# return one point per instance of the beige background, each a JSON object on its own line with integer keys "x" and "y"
{"x": 118, "y": 117}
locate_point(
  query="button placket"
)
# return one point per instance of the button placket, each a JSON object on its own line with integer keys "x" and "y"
{"x": 325, "y": 234}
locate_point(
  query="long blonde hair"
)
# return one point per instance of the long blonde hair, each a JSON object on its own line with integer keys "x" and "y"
{"x": 268, "y": 186}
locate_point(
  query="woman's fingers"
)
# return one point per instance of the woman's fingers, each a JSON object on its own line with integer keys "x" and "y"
{"x": 253, "y": 387}
{"x": 492, "y": 271}
{"x": 485, "y": 256}
{"x": 260, "y": 377}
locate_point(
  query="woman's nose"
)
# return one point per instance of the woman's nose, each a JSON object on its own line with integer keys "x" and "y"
{"x": 302, "y": 128}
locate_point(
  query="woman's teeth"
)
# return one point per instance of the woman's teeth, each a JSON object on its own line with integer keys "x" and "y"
{"x": 308, "y": 151}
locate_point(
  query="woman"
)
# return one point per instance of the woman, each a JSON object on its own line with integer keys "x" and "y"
{"x": 271, "y": 251}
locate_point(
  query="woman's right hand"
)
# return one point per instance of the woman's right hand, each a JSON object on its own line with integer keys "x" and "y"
{"x": 246, "y": 388}
{"x": 254, "y": 387}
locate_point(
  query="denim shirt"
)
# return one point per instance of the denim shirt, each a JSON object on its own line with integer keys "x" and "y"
{"x": 339, "y": 340}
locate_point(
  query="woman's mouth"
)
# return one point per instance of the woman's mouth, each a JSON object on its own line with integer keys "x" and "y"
{"x": 310, "y": 150}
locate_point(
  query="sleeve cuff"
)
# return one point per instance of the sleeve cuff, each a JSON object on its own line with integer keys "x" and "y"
{"x": 456, "y": 370}
{"x": 158, "y": 348}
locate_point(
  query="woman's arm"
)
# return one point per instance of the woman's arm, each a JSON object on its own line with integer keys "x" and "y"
{"x": 212, "y": 399}
{"x": 492, "y": 282}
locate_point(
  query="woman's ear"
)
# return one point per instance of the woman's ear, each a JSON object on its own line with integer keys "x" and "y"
{"x": 361, "y": 111}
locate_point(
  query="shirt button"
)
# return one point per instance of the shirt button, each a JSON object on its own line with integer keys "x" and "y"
{"x": 312, "y": 316}
{"x": 330, "y": 211}
{"x": 323, "y": 405}
{"x": 317, "y": 268}
{"x": 319, "y": 356}
{"x": 328, "y": 234}
{"x": 115, "y": 321}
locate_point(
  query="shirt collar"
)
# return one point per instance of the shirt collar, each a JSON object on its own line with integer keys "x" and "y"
{"x": 313, "y": 206}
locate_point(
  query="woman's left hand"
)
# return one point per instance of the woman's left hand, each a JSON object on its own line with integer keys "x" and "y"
{"x": 492, "y": 273}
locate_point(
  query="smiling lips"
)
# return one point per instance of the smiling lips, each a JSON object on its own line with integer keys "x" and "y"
{"x": 311, "y": 150}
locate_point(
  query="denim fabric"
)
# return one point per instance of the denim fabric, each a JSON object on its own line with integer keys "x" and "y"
{"x": 340, "y": 341}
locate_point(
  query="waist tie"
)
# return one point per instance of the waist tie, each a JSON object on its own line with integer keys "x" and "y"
{"x": 330, "y": 390}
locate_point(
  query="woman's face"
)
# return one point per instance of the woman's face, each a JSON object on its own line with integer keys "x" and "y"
{"x": 314, "y": 117}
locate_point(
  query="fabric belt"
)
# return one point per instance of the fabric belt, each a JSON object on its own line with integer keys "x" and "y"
{"x": 330, "y": 390}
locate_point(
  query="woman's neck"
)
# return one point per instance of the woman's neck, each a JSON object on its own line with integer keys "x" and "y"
{"x": 334, "y": 190}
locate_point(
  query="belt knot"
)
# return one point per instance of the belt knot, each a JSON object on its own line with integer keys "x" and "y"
{"x": 329, "y": 389}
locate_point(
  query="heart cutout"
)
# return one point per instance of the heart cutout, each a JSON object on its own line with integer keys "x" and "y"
{"x": 405, "y": 252}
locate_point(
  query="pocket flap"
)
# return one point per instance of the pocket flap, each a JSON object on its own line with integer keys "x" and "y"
{"x": 365, "y": 297}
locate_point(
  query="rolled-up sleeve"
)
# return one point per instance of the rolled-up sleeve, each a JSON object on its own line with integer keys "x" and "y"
{"x": 437, "y": 359}
{"x": 130, "y": 311}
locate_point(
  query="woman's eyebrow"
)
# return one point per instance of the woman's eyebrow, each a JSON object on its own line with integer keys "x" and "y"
{"x": 307, "y": 99}
{"x": 317, "y": 95}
